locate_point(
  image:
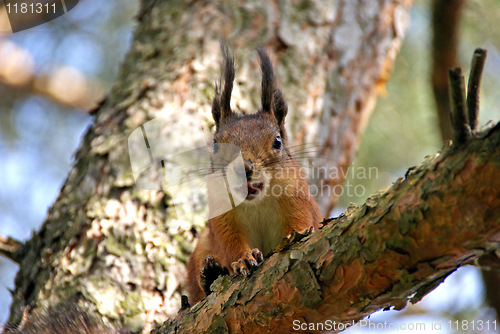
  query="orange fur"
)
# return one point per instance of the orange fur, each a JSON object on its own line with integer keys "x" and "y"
{"x": 260, "y": 222}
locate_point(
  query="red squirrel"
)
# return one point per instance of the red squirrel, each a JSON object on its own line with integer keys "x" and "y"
{"x": 278, "y": 201}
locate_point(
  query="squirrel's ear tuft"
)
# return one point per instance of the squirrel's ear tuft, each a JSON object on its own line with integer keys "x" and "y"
{"x": 280, "y": 107}
{"x": 221, "y": 104}
{"x": 268, "y": 82}
{"x": 272, "y": 100}
{"x": 216, "y": 107}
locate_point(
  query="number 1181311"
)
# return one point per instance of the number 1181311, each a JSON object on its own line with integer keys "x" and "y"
{"x": 473, "y": 325}
{"x": 31, "y": 8}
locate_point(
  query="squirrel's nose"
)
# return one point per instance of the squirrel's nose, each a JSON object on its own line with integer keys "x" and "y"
{"x": 248, "y": 168}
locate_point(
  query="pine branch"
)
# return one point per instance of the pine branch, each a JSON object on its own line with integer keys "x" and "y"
{"x": 476, "y": 71}
{"x": 10, "y": 248}
{"x": 459, "y": 120}
{"x": 395, "y": 248}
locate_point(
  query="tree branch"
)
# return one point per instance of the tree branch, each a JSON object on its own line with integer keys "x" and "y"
{"x": 459, "y": 120}
{"x": 445, "y": 37}
{"x": 10, "y": 248}
{"x": 476, "y": 71}
{"x": 395, "y": 248}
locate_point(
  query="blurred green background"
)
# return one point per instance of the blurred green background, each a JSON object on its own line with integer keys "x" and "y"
{"x": 66, "y": 66}
{"x": 404, "y": 126}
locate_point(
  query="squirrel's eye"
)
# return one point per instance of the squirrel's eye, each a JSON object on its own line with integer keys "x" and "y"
{"x": 277, "y": 143}
{"x": 215, "y": 147}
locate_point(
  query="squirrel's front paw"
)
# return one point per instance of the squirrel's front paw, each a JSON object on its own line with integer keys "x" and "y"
{"x": 209, "y": 273}
{"x": 248, "y": 262}
{"x": 308, "y": 231}
{"x": 293, "y": 238}
{"x": 296, "y": 236}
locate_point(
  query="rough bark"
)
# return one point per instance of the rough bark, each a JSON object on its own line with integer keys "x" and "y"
{"x": 395, "y": 248}
{"x": 118, "y": 249}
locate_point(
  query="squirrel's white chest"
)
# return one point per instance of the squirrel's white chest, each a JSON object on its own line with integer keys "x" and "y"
{"x": 262, "y": 224}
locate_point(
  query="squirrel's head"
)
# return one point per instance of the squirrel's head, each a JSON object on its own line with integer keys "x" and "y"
{"x": 261, "y": 136}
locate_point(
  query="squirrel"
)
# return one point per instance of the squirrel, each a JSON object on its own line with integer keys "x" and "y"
{"x": 278, "y": 201}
